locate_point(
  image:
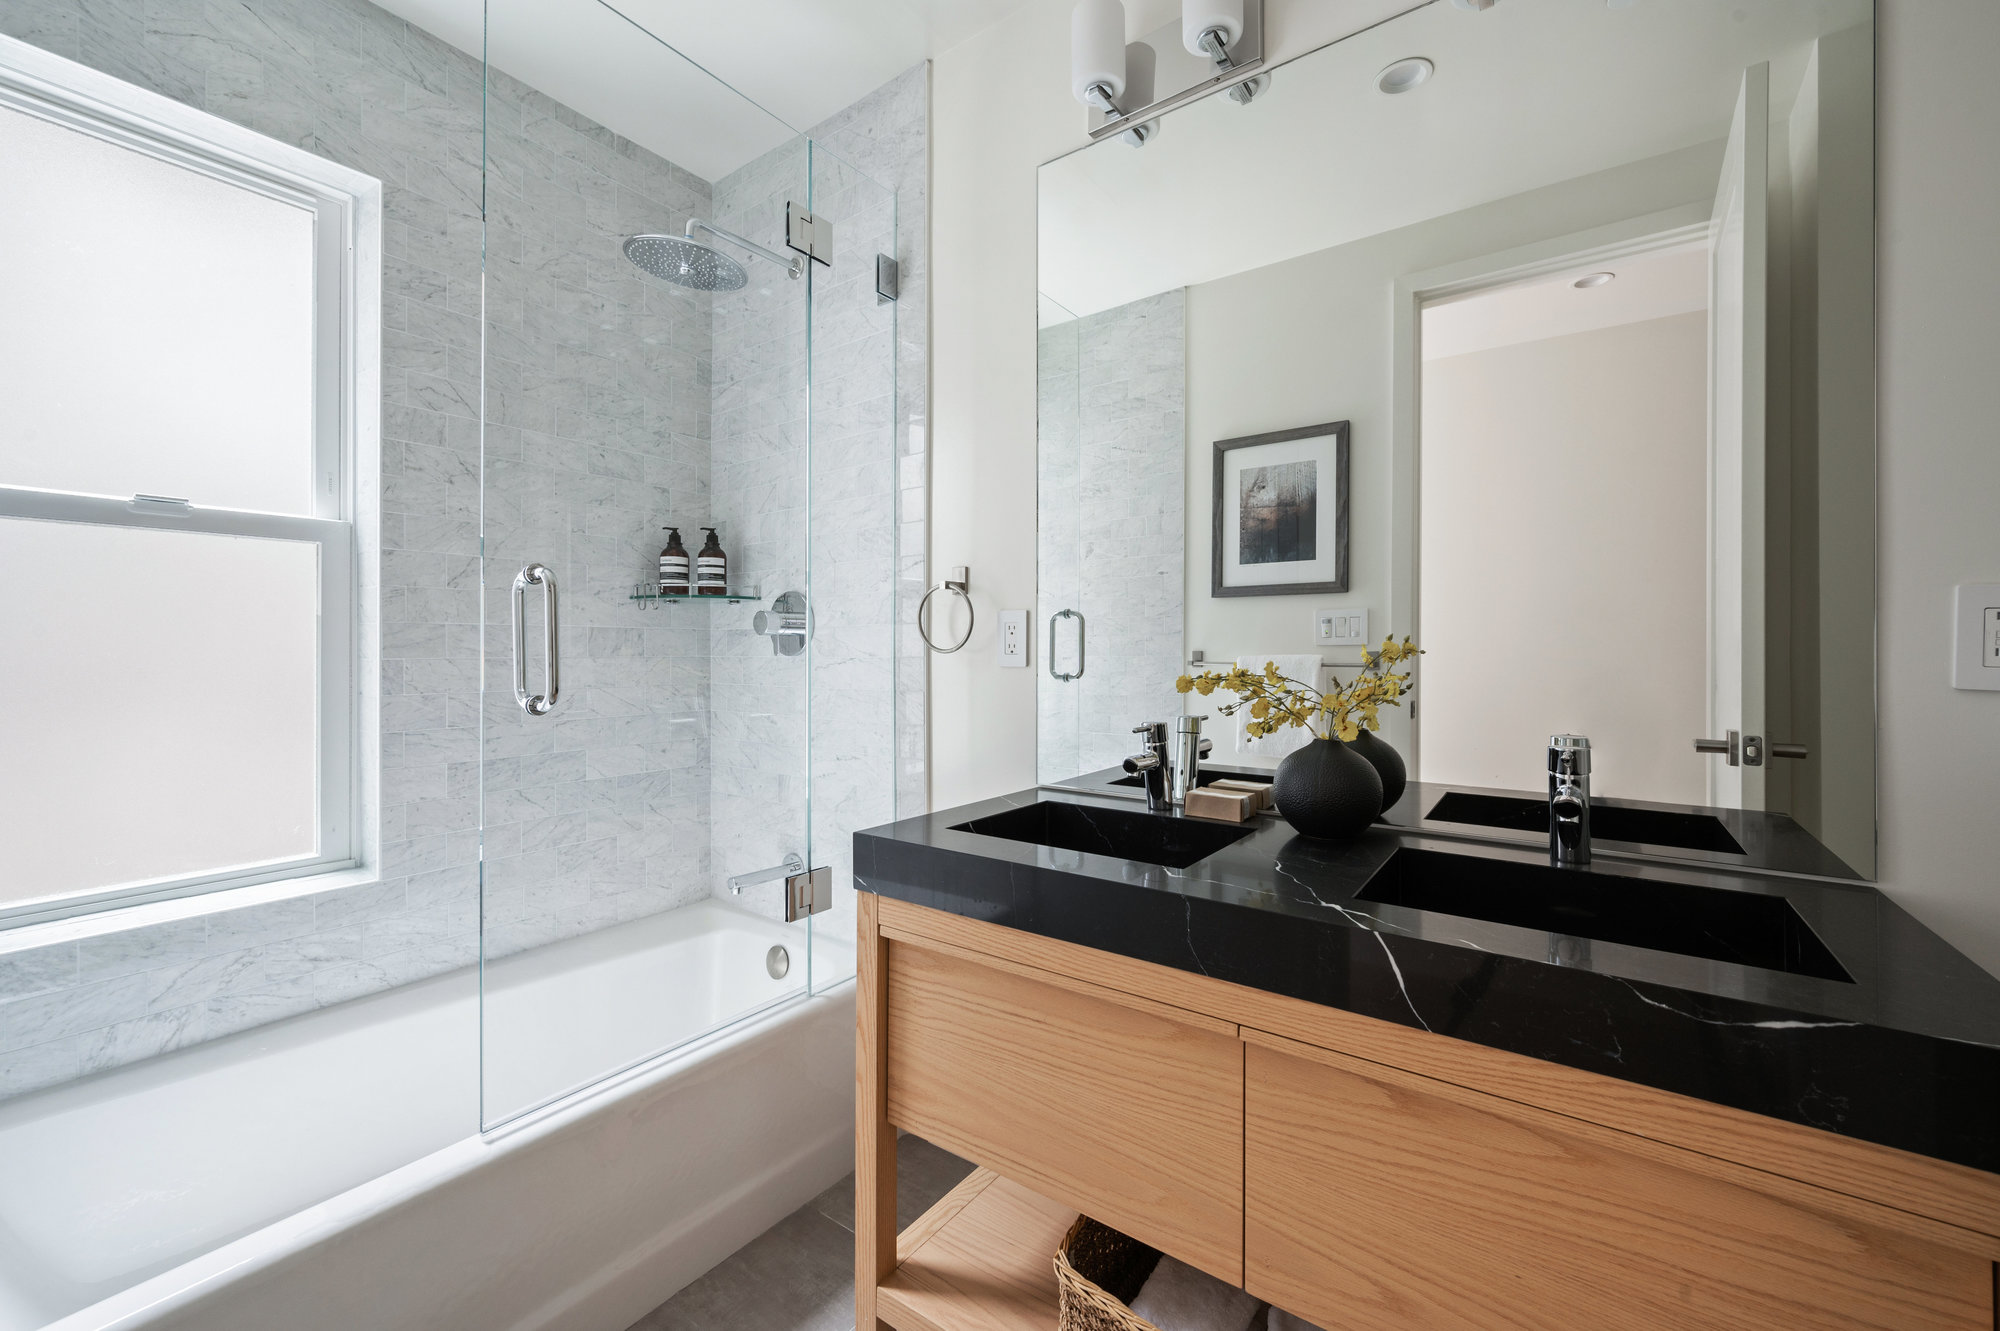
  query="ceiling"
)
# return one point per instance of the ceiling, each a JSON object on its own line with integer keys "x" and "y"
{"x": 1653, "y": 285}
{"x": 1526, "y": 94}
{"x": 708, "y": 86}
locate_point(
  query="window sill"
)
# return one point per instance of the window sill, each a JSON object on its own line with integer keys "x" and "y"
{"x": 121, "y": 919}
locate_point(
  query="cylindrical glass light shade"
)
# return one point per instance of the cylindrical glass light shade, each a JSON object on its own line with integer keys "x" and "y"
{"x": 1198, "y": 16}
{"x": 1096, "y": 48}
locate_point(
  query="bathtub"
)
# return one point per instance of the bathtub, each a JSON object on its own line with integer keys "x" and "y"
{"x": 327, "y": 1171}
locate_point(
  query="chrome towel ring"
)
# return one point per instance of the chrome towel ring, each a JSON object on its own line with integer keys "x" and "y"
{"x": 957, "y": 584}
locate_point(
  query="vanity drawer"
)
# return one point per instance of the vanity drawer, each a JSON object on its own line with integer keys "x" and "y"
{"x": 1125, "y": 1109}
{"x": 1382, "y": 1201}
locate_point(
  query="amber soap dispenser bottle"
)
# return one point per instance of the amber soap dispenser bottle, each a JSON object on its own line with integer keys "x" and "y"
{"x": 711, "y": 567}
{"x": 674, "y": 565}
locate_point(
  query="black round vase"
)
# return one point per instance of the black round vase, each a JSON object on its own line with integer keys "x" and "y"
{"x": 1327, "y": 790}
{"x": 1388, "y": 765}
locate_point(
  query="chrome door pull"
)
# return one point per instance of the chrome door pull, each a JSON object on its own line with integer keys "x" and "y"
{"x": 1080, "y": 629}
{"x": 538, "y": 704}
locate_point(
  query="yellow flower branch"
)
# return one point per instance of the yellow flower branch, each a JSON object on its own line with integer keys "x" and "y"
{"x": 1342, "y": 712}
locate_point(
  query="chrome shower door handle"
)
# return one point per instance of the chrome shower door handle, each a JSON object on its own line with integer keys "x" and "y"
{"x": 1058, "y": 675}
{"x": 536, "y": 704}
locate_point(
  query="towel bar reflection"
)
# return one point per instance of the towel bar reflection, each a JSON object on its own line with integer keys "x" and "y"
{"x": 1080, "y": 631}
{"x": 958, "y": 584}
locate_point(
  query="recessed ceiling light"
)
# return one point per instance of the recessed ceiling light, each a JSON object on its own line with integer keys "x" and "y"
{"x": 1594, "y": 280}
{"x": 1404, "y": 75}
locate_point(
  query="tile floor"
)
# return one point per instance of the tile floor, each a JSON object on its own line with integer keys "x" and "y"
{"x": 798, "y": 1275}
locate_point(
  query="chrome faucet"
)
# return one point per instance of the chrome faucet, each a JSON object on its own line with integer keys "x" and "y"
{"x": 1189, "y": 749}
{"x": 1569, "y": 801}
{"x": 1151, "y": 765}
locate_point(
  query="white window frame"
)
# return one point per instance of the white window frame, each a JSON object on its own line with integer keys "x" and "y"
{"x": 347, "y": 209}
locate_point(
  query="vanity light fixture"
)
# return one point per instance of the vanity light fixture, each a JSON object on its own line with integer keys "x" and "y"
{"x": 1211, "y": 46}
{"x": 1404, "y": 75}
{"x": 1211, "y": 27}
{"x": 1097, "y": 61}
{"x": 1594, "y": 280}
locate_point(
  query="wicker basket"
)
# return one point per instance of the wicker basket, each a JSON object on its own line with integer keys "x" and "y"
{"x": 1098, "y": 1272}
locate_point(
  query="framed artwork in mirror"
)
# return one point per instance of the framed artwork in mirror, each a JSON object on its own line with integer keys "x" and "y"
{"x": 1281, "y": 513}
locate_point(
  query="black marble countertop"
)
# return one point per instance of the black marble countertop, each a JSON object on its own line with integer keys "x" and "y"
{"x": 1771, "y": 841}
{"x": 1904, "y": 1052}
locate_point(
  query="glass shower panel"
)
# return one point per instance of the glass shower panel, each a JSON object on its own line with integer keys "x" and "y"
{"x": 855, "y": 522}
{"x": 643, "y": 757}
{"x": 1059, "y": 563}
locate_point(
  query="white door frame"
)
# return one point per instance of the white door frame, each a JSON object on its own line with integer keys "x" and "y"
{"x": 1593, "y": 247}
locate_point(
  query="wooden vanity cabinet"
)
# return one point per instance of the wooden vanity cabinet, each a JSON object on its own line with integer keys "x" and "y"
{"x": 1128, "y": 1110}
{"x": 1382, "y": 1201}
{"x": 1363, "y": 1175}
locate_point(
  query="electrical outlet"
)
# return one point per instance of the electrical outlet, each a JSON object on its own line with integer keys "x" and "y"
{"x": 1975, "y": 657}
{"x": 1340, "y": 627}
{"x": 1014, "y": 638}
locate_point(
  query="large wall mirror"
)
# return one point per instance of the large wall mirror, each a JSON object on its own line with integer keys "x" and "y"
{"x": 1543, "y": 333}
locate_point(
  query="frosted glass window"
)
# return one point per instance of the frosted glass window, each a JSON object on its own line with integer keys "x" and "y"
{"x": 164, "y": 705}
{"x": 156, "y": 327}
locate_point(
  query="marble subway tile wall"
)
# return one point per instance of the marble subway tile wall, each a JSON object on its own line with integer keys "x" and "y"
{"x": 1128, "y": 469}
{"x": 870, "y": 481}
{"x": 597, "y": 435}
{"x": 885, "y": 136}
{"x": 826, "y": 470}
{"x": 853, "y": 679}
{"x": 611, "y": 421}
{"x": 759, "y": 492}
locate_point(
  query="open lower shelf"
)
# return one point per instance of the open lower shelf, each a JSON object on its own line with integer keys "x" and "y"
{"x": 982, "y": 1259}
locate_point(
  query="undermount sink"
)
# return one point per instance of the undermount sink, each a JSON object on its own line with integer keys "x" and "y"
{"x": 1611, "y": 822}
{"x": 1149, "y": 838}
{"x": 1715, "y": 923}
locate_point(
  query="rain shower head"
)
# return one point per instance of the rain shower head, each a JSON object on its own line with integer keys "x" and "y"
{"x": 687, "y": 262}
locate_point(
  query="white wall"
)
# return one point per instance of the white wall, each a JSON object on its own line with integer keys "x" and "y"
{"x": 1002, "y": 107}
{"x": 1522, "y": 445}
{"x": 1938, "y": 285}
{"x": 1308, "y": 340}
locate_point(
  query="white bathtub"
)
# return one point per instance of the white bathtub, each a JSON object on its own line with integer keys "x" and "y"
{"x": 327, "y": 1171}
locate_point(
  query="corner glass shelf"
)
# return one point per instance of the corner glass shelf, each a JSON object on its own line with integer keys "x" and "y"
{"x": 734, "y": 596}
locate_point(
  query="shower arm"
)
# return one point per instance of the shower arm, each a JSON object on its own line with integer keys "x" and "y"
{"x": 794, "y": 265}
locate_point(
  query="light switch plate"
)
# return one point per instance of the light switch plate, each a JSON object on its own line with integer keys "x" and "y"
{"x": 1014, "y": 638}
{"x": 1975, "y": 649}
{"x": 1341, "y": 627}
